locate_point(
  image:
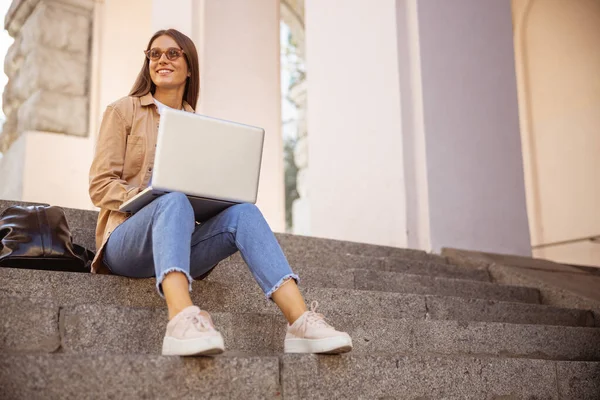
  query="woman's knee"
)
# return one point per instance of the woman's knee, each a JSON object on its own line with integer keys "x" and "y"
{"x": 246, "y": 210}
{"x": 174, "y": 200}
{"x": 176, "y": 204}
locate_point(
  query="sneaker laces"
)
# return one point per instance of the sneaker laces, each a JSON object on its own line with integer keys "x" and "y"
{"x": 316, "y": 318}
{"x": 200, "y": 322}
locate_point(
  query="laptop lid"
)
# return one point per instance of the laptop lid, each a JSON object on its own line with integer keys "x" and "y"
{"x": 207, "y": 157}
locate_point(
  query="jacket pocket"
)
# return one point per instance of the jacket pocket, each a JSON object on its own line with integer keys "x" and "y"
{"x": 134, "y": 156}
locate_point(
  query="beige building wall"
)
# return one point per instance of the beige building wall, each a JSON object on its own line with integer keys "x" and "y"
{"x": 356, "y": 182}
{"x": 46, "y": 167}
{"x": 122, "y": 30}
{"x": 558, "y": 59}
{"x": 62, "y": 175}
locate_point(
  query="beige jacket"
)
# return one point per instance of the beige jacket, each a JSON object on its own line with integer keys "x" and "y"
{"x": 123, "y": 162}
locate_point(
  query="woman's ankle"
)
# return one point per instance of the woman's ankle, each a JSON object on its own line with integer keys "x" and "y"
{"x": 174, "y": 310}
{"x": 289, "y": 300}
{"x": 175, "y": 287}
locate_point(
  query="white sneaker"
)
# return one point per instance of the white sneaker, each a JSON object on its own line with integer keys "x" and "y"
{"x": 311, "y": 334}
{"x": 191, "y": 333}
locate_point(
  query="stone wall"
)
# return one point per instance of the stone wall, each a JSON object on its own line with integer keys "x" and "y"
{"x": 48, "y": 67}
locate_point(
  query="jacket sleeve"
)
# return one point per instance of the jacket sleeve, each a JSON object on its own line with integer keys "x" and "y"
{"x": 107, "y": 189}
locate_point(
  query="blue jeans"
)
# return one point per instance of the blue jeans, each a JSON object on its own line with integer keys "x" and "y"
{"x": 163, "y": 237}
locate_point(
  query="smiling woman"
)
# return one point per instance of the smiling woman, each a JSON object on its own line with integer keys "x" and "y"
{"x": 172, "y": 67}
{"x": 162, "y": 239}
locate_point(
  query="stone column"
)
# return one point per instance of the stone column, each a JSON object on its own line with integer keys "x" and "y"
{"x": 356, "y": 178}
{"x": 238, "y": 42}
{"x": 48, "y": 68}
{"x": 413, "y": 120}
{"x": 470, "y": 119}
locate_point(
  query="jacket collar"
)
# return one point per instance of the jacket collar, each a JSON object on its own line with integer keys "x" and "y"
{"x": 148, "y": 99}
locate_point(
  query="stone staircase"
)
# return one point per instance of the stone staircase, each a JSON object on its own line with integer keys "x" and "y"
{"x": 422, "y": 327}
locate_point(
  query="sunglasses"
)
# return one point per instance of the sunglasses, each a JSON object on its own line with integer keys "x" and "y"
{"x": 173, "y": 53}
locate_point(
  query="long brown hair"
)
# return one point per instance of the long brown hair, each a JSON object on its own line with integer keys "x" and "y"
{"x": 143, "y": 84}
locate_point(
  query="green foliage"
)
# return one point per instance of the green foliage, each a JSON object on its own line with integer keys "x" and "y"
{"x": 294, "y": 65}
{"x": 291, "y": 173}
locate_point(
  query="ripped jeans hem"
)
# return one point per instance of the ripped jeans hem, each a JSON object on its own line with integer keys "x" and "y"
{"x": 283, "y": 280}
{"x": 160, "y": 278}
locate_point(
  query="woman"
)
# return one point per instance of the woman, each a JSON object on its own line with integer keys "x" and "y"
{"x": 163, "y": 239}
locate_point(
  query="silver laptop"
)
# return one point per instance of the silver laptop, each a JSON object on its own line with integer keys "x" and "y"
{"x": 216, "y": 163}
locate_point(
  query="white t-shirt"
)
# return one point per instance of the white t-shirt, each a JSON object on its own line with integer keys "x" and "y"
{"x": 160, "y": 106}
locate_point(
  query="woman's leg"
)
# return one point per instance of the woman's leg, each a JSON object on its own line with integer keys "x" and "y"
{"x": 289, "y": 300}
{"x": 156, "y": 242}
{"x": 175, "y": 288}
{"x": 242, "y": 227}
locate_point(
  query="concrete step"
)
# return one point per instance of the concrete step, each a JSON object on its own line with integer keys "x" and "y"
{"x": 461, "y": 309}
{"x": 216, "y": 297}
{"x": 237, "y": 272}
{"x": 236, "y": 276}
{"x": 343, "y": 302}
{"x": 368, "y": 279}
{"x": 393, "y": 264}
{"x": 43, "y": 327}
{"x": 317, "y": 247}
{"x": 300, "y": 258}
{"x": 309, "y": 251}
{"x": 332, "y": 261}
{"x": 84, "y": 237}
{"x": 81, "y": 377}
{"x": 95, "y": 329}
{"x": 430, "y": 377}
{"x": 345, "y": 262}
{"x": 419, "y": 284}
{"x": 68, "y": 289}
{"x": 84, "y": 222}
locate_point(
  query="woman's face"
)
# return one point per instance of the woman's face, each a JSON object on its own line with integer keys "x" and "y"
{"x": 165, "y": 73}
